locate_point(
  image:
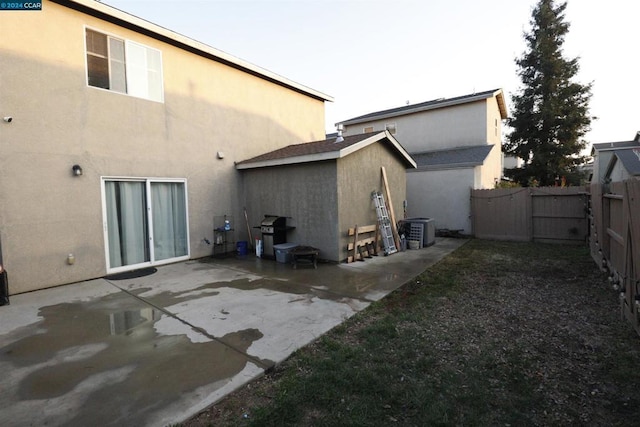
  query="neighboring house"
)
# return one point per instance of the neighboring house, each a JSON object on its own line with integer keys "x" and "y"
{"x": 614, "y": 160}
{"x": 457, "y": 146}
{"x": 625, "y": 164}
{"x": 324, "y": 187}
{"x": 123, "y": 141}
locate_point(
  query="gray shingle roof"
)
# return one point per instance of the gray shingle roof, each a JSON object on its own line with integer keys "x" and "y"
{"x": 614, "y": 145}
{"x": 631, "y": 160}
{"x": 430, "y": 105}
{"x": 326, "y": 149}
{"x": 307, "y": 148}
{"x": 456, "y": 157}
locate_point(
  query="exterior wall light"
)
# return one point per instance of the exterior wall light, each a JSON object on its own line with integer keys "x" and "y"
{"x": 77, "y": 170}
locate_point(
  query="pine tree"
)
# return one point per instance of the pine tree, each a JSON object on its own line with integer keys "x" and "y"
{"x": 551, "y": 111}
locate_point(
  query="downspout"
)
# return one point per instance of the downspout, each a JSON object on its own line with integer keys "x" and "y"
{"x": 4, "y": 281}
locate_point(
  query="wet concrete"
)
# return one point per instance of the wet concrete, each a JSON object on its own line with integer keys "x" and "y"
{"x": 154, "y": 350}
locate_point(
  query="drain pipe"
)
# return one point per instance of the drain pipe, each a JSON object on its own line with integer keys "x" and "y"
{"x": 4, "y": 282}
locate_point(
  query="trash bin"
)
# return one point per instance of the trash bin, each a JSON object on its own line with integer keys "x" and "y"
{"x": 242, "y": 247}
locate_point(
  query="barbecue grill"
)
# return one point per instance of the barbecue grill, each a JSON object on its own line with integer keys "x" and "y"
{"x": 274, "y": 232}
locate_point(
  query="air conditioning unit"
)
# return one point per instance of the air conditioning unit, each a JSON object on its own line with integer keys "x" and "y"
{"x": 413, "y": 227}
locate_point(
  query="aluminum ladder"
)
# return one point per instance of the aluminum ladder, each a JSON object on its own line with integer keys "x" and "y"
{"x": 385, "y": 223}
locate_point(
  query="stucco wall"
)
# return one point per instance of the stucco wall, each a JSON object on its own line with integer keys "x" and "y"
{"x": 443, "y": 195}
{"x": 491, "y": 169}
{"x": 457, "y": 126}
{"x": 494, "y": 122}
{"x": 58, "y": 121}
{"x": 360, "y": 174}
{"x": 304, "y": 192}
{"x": 325, "y": 199}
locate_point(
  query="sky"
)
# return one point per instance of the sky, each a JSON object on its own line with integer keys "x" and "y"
{"x": 371, "y": 55}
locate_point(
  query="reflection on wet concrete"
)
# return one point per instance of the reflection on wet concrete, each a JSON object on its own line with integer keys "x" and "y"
{"x": 80, "y": 343}
{"x": 125, "y": 321}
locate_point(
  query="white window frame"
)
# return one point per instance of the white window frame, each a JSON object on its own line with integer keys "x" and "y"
{"x": 149, "y": 214}
{"x": 366, "y": 129}
{"x": 139, "y": 85}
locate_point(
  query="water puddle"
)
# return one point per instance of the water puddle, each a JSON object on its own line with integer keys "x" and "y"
{"x": 109, "y": 347}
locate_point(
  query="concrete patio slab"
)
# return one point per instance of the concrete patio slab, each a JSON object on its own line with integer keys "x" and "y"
{"x": 156, "y": 349}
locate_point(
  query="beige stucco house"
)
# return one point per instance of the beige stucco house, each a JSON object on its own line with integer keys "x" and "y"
{"x": 123, "y": 139}
{"x": 456, "y": 143}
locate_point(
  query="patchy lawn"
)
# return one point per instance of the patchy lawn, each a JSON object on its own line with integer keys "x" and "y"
{"x": 495, "y": 334}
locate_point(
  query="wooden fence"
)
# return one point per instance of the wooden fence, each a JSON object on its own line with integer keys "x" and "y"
{"x": 540, "y": 214}
{"x": 614, "y": 240}
{"x": 609, "y": 215}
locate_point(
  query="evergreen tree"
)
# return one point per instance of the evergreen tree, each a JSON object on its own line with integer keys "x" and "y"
{"x": 551, "y": 111}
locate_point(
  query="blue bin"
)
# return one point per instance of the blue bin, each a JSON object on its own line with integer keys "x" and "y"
{"x": 242, "y": 247}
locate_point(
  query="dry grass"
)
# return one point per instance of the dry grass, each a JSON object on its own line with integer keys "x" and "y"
{"x": 496, "y": 334}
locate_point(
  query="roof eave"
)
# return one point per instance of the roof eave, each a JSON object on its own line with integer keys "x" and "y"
{"x": 307, "y": 158}
{"x": 126, "y": 20}
{"x": 465, "y": 165}
{"x": 333, "y": 155}
{"x": 375, "y": 138}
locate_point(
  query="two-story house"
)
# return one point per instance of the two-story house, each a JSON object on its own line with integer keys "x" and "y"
{"x": 120, "y": 139}
{"x": 457, "y": 145}
{"x": 616, "y": 161}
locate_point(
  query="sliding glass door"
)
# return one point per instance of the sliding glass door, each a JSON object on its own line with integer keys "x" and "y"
{"x": 169, "y": 220}
{"x": 145, "y": 222}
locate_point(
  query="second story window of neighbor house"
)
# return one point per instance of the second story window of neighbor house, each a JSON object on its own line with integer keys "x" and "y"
{"x": 124, "y": 66}
{"x": 367, "y": 129}
{"x": 391, "y": 127}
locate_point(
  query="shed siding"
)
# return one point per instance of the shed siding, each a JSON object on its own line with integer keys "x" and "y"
{"x": 306, "y": 193}
{"x": 358, "y": 176}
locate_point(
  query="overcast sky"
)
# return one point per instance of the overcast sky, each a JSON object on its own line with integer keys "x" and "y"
{"x": 377, "y": 54}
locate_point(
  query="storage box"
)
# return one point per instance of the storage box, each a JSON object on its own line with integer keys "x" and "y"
{"x": 282, "y": 252}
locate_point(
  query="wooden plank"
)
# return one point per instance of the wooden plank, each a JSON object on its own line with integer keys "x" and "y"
{"x": 362, "y": 229}
{"x": 615, "y": 236}
{"x": 633, "y": 193}
{"x": 363, "y": 237}
{"x": 392, "y": 215}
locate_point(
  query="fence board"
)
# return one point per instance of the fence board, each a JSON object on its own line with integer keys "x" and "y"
{"x": 547, "y": 214}
{"x": 615, "y": 240}
{"x": 501, "y": 214}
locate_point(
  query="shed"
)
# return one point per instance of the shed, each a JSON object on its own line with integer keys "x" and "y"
{"x": 324, "y": 187}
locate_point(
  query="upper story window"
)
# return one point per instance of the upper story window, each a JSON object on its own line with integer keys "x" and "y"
{"x": 123, "y": 66}
{"x": 367, "y": 129}
{"x": 391, "y": 127}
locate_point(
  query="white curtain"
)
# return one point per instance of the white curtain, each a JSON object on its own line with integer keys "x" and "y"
{"x": 126, "y": 223}
{"x": 169, "y": 220}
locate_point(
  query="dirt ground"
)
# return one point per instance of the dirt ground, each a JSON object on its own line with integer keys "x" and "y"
{"x": 554, "y": 317}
